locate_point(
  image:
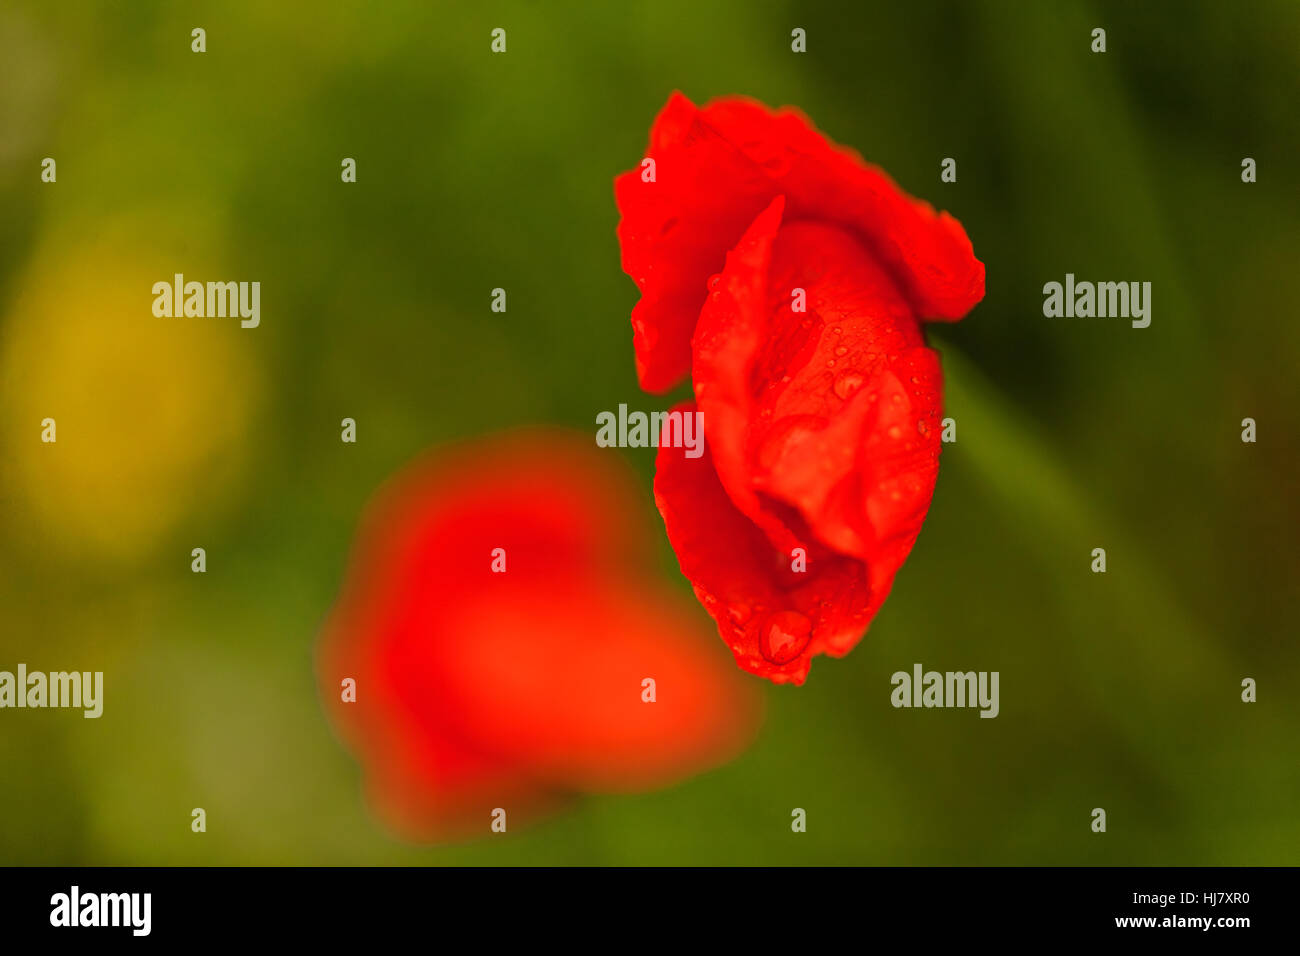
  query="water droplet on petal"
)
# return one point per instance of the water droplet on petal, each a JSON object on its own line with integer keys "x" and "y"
{"x": 841, "y": 351}
{"x": 740, "y": 613}
{"x": 785, "y": 636}
{"x": 846, "y": 384}
{"x": 713, "y": 280}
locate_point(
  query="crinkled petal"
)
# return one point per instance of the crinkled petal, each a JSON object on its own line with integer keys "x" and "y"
{"x": 927, "y": 253}
{"x": 716, "y": 169}
{"x": 676, "y": 230}
{"x": 773, "y": 617}
{"x": 846, "y": 426}
{"x": 733, "y": 330}
{"x": 822, "y": 422}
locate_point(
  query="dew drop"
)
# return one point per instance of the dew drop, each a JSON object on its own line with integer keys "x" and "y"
{"x": 841, "y": 351}
{"x": 785, "y": 636}
{"x": 714, "y": 280}
{"x": 846, "y": 384}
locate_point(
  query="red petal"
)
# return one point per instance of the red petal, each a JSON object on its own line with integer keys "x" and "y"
{"x": 773, "y": 618}
{"x": 716, "y": 169}
{"x": 825, "y": 422}
{"x": 733, "y": 329}
{"x": 927, "y": 253}
{"x": 425, "y": 783}
{"x": 846, "y": 428}
{"x": 675, "y": 233}
{"x": 478, "y": 690}
{"x": 571, "y": 660}
{"x": 546, "y": 495}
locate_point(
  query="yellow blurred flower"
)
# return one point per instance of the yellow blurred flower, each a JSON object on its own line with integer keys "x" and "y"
{"x": 150, "y": 413}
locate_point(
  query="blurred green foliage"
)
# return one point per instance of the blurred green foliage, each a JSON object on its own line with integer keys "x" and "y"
{"x": 477, "y": 171}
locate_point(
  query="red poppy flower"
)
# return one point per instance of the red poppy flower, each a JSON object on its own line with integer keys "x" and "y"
{"x": 479, "y": 689}
{"x": 790, "y": 278}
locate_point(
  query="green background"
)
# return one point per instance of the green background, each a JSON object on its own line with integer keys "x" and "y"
{"x": 476, "y": 171}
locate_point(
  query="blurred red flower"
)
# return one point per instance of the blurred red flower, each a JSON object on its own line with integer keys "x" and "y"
{"x": 479, "y": 689}
{"x": 790, "y": 278}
